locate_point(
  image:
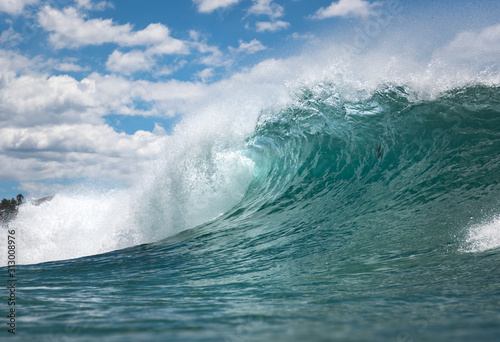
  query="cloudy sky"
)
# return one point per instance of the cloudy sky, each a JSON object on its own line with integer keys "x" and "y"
{"x": 91, "y": 90}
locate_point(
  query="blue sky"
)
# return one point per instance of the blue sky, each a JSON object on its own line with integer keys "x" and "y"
{"x": 92, "y": 89}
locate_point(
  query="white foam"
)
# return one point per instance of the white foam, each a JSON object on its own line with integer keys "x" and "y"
{"x": 484, "y": 237}
{"x": 180, "y": 194}
{"x": 67, "y": 227}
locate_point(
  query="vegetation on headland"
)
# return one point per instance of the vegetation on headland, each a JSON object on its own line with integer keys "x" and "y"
{"x": 11, "y": 204}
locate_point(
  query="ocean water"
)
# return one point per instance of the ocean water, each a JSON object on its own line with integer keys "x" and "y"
{"x": 350, "y": 215}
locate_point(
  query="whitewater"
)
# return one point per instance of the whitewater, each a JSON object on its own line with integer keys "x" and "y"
{"x": 355, "y": 198}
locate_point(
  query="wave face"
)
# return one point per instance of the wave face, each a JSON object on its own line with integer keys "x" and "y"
{"x": 351, "y": 216}
{"x": 418, "y": 172}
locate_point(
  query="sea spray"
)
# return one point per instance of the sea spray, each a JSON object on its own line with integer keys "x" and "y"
{"x": 202, "y": 174}
{"x": 483, "y": 237}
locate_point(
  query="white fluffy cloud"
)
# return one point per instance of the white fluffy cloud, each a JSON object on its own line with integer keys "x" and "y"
{"x": 75, "y": 151}
{"x": 478, "y": 46}
{"x": 10, "y": 37}
{"x": 272, "y": 26}
{"x": 346, "y": 8}
{"x": 70, "y": 30}
{"x": 52, "y": 126}
{"x": 12, "y": 63}
{"x": 89, "y": 5}
{"x": 130, "y": 62}
{"x": 266, "y": 7}
{"x": 206, "y": 74}
{"x": 15, "y": 6}
{"x": 69, "y": 67}
{"x": 117, "y": 94}
{"x": 251, "y": 47}
{"x": 31, "y": 100}
{"x": 273, "y": 11}
{"x": 212, "y": 56}
{"x": 208, "y": 6}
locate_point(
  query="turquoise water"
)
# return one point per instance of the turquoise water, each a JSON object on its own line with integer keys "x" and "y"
{"x": 360, "y": 219}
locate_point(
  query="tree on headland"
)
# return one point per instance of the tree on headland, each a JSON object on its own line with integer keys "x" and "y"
{"x": 11, "y": 204}
{"x": 5, "y": 204}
